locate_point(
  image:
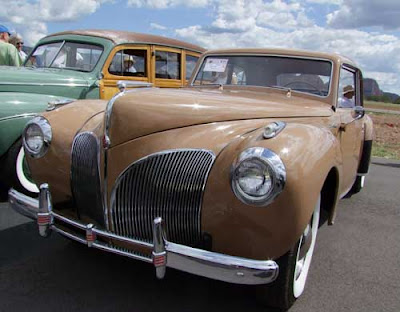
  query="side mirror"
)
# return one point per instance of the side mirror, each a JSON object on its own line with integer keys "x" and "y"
{"x": 358, "y": 112}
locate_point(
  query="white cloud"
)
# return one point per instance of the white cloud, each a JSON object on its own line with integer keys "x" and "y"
{"x": 388, "y": 82}
{"x": 361, "y": 13}
{"x": 252, "y": 23}
{"x": 286, "y": 25}
{"x": 333, "y": 2}
{"x": 157, "y": 26}
{"x": 163, "y": 4}
{"x": 30, "y": 18}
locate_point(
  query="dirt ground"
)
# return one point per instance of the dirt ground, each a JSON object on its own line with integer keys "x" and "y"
{"x": 387, "y": 135}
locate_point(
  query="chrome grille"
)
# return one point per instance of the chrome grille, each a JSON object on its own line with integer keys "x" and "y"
{"x": 169, "y": 185}
{"x": 85, "y": 178}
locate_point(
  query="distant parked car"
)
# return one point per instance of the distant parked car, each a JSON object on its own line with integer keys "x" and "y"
{"x": 225, "y": 179}
{"x": 82, "y": 64}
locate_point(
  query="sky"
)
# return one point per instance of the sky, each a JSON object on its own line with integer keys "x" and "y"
{"x": 366, "y": 31}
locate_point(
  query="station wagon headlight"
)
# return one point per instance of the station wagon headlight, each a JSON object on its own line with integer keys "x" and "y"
{"x": 258, "y": 176}
{"x": 37, "y": 137}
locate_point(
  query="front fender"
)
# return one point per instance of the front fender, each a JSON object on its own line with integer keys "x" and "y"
{"x": 11, "y": 129}
{"x": 16, "y": 109}
{"x": 65, "y": 122}
{"x": 308, "y": 153}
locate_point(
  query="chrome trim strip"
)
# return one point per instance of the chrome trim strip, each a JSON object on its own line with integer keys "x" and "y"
{"x": 121, "y": 252}
{"x": 23, "y": 204}
{"x": 69, "y": 235}
{"x": 122, "y": 238}
{"x": 68, "y": 221}
{"x": 18, "y": 116}
{"x": 192, "y": 260}
{"x": 45, "y": 84}
{"x": 224, "y": 268}
{"x": 106, "y": 145}
{"x": 122, "y": 85}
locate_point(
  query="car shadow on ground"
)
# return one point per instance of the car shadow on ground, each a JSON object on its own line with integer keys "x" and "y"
{"x": 59, "y": 274}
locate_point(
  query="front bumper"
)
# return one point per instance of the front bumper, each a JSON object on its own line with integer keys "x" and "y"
{"x": 164, "y": 253}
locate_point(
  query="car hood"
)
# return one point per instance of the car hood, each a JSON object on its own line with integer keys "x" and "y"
{"x": 12, "y": 78}
{"x": 14, "y": 104}
{"x": 154, "y": 110}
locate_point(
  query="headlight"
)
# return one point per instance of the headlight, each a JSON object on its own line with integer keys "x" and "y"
{"x": 37, "y": 137}
{"x": 258, "y": 176}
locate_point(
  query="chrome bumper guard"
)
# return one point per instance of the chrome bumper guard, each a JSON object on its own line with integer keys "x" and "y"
{"x": 165, "y": 254}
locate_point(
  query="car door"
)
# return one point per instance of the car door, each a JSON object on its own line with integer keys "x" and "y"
{"x": 167, "y": 67}
{"x": 351, "y": 134}
{"x": 115, "y": 68}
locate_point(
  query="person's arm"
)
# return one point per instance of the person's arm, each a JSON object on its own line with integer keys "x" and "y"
{"x": 15, "y": 58}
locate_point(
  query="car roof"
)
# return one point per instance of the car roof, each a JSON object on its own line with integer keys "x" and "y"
{"x": 335, "y": 57}
{"x": 119, "y": 37}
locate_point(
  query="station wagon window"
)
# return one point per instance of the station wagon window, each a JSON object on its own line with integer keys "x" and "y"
{"x": 129, "y": 63}
{"x": 190, "y": 65}
{"x": 347, "y": 89}
{"x": 168, "y": 65}
{"x": 68, "y": 55}
{"x": 304, "y": 75}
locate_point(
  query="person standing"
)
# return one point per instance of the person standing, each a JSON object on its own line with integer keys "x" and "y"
{"x": 8, "y": 53}
{"x": 17, "y": 41}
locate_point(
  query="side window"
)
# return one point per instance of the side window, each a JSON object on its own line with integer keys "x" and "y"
{"x": 168, "y": 65}
{"x": 129, "y": 63}
{"x": 347, "y": 88}
{"x": 190, "y": 65}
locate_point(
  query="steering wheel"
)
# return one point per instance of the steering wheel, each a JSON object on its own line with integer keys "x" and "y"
{"x": 305, "y": 83}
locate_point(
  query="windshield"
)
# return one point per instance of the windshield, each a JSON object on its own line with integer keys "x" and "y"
{"x": 304, "y": 75}
{"x": 70, "y": 55}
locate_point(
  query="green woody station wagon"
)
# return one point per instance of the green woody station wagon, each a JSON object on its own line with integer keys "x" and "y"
{"x": 84, "y": 64}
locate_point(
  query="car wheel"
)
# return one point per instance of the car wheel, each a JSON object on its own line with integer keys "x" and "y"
{"x": 293, "y": 268}
{"x": 16, "y": 173}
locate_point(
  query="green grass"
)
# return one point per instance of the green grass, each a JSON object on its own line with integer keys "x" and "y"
{"x": 382, "y": 105}
{"x": 384, "y": 151}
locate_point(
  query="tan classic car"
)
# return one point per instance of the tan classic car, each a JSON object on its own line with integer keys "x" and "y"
{"x": 226, "y": 178}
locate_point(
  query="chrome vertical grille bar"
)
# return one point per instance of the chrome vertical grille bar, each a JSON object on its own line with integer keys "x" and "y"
{"x": 169, "y": 185}
{"x": 85, "y": 176}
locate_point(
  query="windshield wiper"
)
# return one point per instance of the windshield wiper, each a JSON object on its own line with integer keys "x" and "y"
{"x": 288, "y": 90}
{"x": 280, "y": 88}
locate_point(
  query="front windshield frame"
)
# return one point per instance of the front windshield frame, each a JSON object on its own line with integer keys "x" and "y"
{"x": 283, "y": 56}
{"x": 63, "y": 43}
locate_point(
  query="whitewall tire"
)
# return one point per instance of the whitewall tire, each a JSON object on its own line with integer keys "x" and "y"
{"x": 22, "y": 178}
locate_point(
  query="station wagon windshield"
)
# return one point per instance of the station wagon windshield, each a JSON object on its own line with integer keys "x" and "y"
{"x": 68, "y": 55}
{"x": 300, "y": 74}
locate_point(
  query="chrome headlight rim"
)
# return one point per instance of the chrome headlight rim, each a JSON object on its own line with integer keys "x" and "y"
{"x": 46, "y": 133}
{"x": 272, "y": 163}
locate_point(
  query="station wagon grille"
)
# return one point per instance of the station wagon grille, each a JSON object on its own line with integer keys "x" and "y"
{"x": 169, "y": 185}
{"x": 85, "y": 177}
